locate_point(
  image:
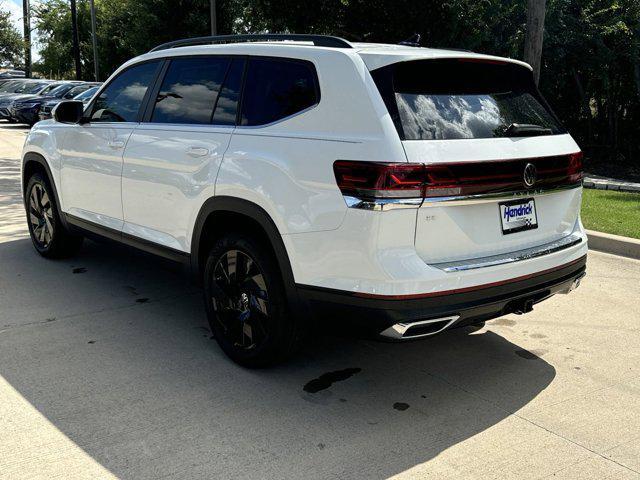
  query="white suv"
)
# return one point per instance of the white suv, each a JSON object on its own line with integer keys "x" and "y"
{"x": 408, "y": 190}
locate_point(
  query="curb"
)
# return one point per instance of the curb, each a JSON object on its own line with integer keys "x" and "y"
{"x": 606, "y": 184}
{"x": 615, "y": 244}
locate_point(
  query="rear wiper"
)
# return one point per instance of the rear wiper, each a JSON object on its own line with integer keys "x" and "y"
{"x": 523, "y": 130}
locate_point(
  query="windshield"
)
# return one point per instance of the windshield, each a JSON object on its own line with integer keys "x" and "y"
{"x": 9, "y": 86}
{"x": 30, "y": 87}
{"x": 77, "y": 90}
{"x": 60, "y": 90}
{"x": 463, "y": 98}
{"x": 48, "y": 89}
{"x": 88, "y": 94}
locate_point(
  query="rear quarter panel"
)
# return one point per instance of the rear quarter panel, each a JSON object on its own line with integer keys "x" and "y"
{"x": 287, "y": 167}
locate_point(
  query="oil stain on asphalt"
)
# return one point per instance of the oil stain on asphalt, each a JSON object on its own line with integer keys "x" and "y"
{"x": 504, "y": 322}
{"x": 400, "y": 406}
{"x": 79, "y": 270}
{"x": 325, "y": 380}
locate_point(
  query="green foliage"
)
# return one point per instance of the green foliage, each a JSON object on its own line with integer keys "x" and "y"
{"x": 597, "y": 206}
{"x": 590, "y": 66}
{"x": 591, "y": 72}
{"x": 125, "y": 28}
{"x": 10, "y": 41}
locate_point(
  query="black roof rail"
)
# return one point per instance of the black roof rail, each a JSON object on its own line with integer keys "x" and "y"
{"x": 317, "y": 40}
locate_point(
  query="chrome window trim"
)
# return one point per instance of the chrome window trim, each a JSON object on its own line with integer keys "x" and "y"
{"x": 512, "y": 257}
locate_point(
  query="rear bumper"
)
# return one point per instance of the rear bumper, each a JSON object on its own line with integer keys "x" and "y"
{"x": 377, "y": 313}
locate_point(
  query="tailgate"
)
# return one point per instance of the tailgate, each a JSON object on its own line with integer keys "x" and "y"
{"x": 501, "y": 173}
{"x": 470, "y": 223}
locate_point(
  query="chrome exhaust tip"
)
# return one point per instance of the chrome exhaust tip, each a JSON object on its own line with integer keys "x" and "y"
{"x": 575, "y": 284}
{"x": 418, "y": 329}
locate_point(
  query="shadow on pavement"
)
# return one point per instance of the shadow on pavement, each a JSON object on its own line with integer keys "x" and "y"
{"x": 119, "y": 358}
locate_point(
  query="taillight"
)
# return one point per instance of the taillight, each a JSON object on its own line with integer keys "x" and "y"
{"x": 574, "y": 168}
{"x": 441, "y": 181}
{"x": 370, "y": 180}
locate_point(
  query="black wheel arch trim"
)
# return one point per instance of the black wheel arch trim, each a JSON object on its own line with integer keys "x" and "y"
{"x": 37, "y": 158}
{"x": 259, "y": 215}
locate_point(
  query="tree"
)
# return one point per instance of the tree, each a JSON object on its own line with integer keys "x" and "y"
{"x": 534, "y": 35}
{"x": 590, "y": 63}
{"x": 10, "y": 41}
{"x": 125, "y": 28}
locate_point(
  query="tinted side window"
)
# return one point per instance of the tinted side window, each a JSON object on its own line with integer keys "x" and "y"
{"x": 275, "y": 89}
{"x": 189, "y": 90}
{"x": 227, "y": 105}
{"x": 121, "y": 100}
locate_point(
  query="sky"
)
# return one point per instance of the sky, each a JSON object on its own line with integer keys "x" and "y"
{"x": 15, "y": 7}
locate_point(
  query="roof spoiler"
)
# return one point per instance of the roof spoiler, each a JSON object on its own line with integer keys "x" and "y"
{"x": 317, "y": 40}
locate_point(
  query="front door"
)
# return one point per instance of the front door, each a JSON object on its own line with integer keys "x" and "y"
{"x": 91, "y": 157}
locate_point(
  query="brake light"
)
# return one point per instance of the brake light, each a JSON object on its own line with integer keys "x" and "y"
{"x": 369, "y": 180}
{"x": 379, "y": 180}
{"x": 574, "y": 169}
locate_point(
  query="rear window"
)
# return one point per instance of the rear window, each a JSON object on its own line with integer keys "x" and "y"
{"x": 462, "y": 98}
{"x": 277, "y": 88}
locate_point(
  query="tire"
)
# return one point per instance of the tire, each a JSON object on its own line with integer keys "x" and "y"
{"x": 49, "y": 236}
{"x": 246, "y": 302}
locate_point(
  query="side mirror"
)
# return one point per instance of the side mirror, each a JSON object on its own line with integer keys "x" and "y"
{"x": 68, "y": 112}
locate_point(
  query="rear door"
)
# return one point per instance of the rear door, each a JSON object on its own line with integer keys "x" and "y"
{"x": 172, "y": 158}
{"x": 501, "y": 172}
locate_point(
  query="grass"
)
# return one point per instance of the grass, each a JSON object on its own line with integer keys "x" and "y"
{"x": 611, "y": 212}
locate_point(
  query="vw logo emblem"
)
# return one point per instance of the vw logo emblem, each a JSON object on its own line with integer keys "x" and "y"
{"x": 530, "y": 175}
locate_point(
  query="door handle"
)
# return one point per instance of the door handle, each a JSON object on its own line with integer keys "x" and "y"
{"x": 197, "y": 151}
{"x": 116, "y": 144}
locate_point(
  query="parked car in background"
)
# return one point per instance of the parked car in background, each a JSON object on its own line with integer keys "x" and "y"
{"x": 26, "y": 109}
{"x": 10, "y": 86}
{"x": 24, "y": 86}
{"x": 12, "y": 74}
{"x": 83, "y": 93}
{"x": 5, "y": 81}
{"x": 25, "y": 89}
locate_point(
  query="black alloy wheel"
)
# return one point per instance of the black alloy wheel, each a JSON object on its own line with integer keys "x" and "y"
{"x": 48, "y": 234}
{"x": 40, "y": 212}
{"x": 240, "y": 299}
{"x": 246, "y": 302}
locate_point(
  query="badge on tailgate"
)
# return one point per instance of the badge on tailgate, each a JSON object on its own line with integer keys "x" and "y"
{"x": 518, "y": 215}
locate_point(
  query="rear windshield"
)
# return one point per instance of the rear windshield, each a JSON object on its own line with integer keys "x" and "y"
{"x": 463, "y": 98}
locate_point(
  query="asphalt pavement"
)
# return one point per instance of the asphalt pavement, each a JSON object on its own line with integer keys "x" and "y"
{"x": 107, "y": 370}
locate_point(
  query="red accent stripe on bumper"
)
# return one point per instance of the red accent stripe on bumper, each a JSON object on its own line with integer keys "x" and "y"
{"x": 466, "y": 289}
